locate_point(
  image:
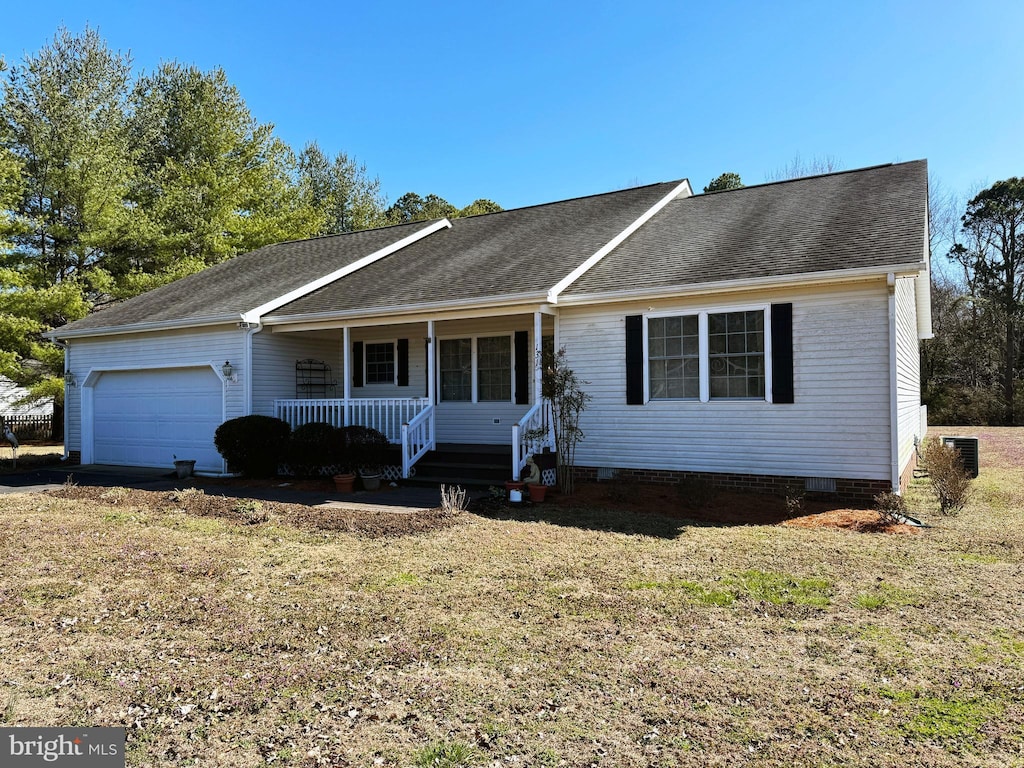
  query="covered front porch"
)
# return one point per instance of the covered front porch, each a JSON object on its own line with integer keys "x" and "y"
{"x": 473, "y": 380}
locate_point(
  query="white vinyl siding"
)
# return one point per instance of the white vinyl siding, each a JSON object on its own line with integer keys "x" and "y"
{"x": 838, "y": 426}
{"x": 273, "y": 358}
{"x": 908, "y": 371}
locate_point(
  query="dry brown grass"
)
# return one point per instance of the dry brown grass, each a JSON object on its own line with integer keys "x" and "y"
{"x": 563, "y": 635}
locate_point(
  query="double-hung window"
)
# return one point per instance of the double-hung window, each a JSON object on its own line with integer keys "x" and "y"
{"x": 707, "y": 356}
{"x": 380, "y": 363}
{"x": 476, "y": 369}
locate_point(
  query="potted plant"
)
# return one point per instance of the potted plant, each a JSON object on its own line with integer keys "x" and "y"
{"x": 340, "y": 456}
{"x": 367, "y": 450}
{"x": 184, "y": 467}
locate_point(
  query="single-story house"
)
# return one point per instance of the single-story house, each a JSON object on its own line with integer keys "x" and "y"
{"x": 762, "y": 336}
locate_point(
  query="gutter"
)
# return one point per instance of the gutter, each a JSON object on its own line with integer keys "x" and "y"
{"x": 509, "y": 300}
{"x": 161, "y": 325}
{"x": 836, "y": 276}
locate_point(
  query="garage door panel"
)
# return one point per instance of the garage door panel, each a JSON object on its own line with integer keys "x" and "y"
{"x": 145, "y": 418}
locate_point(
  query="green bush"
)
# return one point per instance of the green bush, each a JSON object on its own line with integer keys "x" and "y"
{"x": 365, "y": 447}
{"x": 253, "y": 445}
{"x": 312, "y": 446}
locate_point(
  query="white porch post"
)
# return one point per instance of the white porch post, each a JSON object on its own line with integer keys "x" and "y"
{"x": 346, "y": 355}
{"x": 538, "y": 357}
{"x": 431, "y": 364}
{"x": 431, "y": 382}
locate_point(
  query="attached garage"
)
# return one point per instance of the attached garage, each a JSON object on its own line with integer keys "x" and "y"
{"x": 144, "y": 418}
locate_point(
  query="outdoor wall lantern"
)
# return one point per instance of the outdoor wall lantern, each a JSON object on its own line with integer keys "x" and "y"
{"x": 69, "y": 378}
{"x": 229, "y": 371}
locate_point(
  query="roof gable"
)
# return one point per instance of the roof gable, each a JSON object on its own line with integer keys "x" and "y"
{"x": 864, "y": 219}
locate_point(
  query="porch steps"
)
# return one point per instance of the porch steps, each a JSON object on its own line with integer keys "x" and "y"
{"x": 465, "y": 465}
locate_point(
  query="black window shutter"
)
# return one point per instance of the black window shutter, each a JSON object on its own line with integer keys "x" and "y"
{"x": 522, "y": 353}
{"x": 403, "y": 362}
{"x": 634, "y": 360}
{"x": 357, "y": 363}
{"x": 782, "y": 353}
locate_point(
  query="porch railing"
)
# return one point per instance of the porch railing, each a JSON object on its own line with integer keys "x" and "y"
{"x": 534, "y": 432}
{"x": 386, "y": 414}
{"x": 417, "y": 439}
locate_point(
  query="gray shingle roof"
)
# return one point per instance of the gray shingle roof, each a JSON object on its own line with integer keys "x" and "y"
{"x": 873, "y": 217}
{"x": 246, "y": 281}
{"x": 521, "y": 251}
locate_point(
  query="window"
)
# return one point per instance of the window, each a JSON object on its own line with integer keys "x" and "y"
{"x": 476, "y": 370}
{"x": 380, "y": 363}
{"x": 673, "y": 345}
{"x": 494, "y": 368}
{"x": 706, "y": 355}
{"x": 456, "y": 368}
{"x": 736, "y": 354}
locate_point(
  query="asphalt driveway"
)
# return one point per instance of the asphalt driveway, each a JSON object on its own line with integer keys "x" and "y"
{"x": 149, "y": 479}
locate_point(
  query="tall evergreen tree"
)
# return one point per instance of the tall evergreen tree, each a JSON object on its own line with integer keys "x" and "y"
{"x": 340, "y": 190}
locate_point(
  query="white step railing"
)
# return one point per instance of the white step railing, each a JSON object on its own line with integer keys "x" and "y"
{"x": 385, "y": 414}
{"x": 418, "y": 437}
{"x": 534, "y": 432}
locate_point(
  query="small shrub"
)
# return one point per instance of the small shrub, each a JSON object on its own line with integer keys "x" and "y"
{"x": 312, "y": 446}
{"x": 949, "y": 480}
{"x": 453, "y": 499}
{"x": 891, "y": 507}
{"x": 253, "y": 445}
{"x": 796, "y": 496}
{"x": 251, "y": 511}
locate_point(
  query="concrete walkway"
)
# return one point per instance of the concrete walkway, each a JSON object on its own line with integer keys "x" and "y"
{"x": 147, "y": 479}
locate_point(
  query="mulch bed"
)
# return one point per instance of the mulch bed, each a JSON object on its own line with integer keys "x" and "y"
{"x": 371, "y": 523}
{"x": 727, "y": 508}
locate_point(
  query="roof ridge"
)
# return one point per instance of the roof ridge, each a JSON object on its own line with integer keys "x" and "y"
{"x": 573, "y": 199}
{"x": 342, "y": 234}
{"x": 805, "y": 178}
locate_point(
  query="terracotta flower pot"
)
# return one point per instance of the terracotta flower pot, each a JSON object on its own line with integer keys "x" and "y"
{"x": 344, "y": 482}
{"x": 537, "y": 492}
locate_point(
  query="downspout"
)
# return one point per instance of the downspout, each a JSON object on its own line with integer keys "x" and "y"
{"x": 67, "y": 389}
{"x": 894, "y": 437}
{"x": 247, "y": 400}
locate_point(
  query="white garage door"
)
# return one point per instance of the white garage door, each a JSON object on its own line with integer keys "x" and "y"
{"x": 145, "y": 418}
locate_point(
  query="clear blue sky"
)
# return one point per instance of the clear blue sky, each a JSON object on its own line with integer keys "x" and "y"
{"x": 528, "y": 102}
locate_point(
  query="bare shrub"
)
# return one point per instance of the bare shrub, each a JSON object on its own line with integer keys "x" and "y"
{"x": 891, "y": 507}
{"x": 453, "y": 499}
{"x": 949, "y": 480}
{"x": 795, "y": 497}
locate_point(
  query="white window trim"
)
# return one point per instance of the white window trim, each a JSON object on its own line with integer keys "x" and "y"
{"x": 366, "y": 363}
{"x": 704, "y": 352}
{"x": 474, "y": 378}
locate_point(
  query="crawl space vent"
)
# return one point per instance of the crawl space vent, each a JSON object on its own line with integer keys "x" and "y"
{"x": 820, "y": 484}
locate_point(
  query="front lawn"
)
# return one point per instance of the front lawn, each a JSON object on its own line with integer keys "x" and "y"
{"x": 566, "y": 636}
